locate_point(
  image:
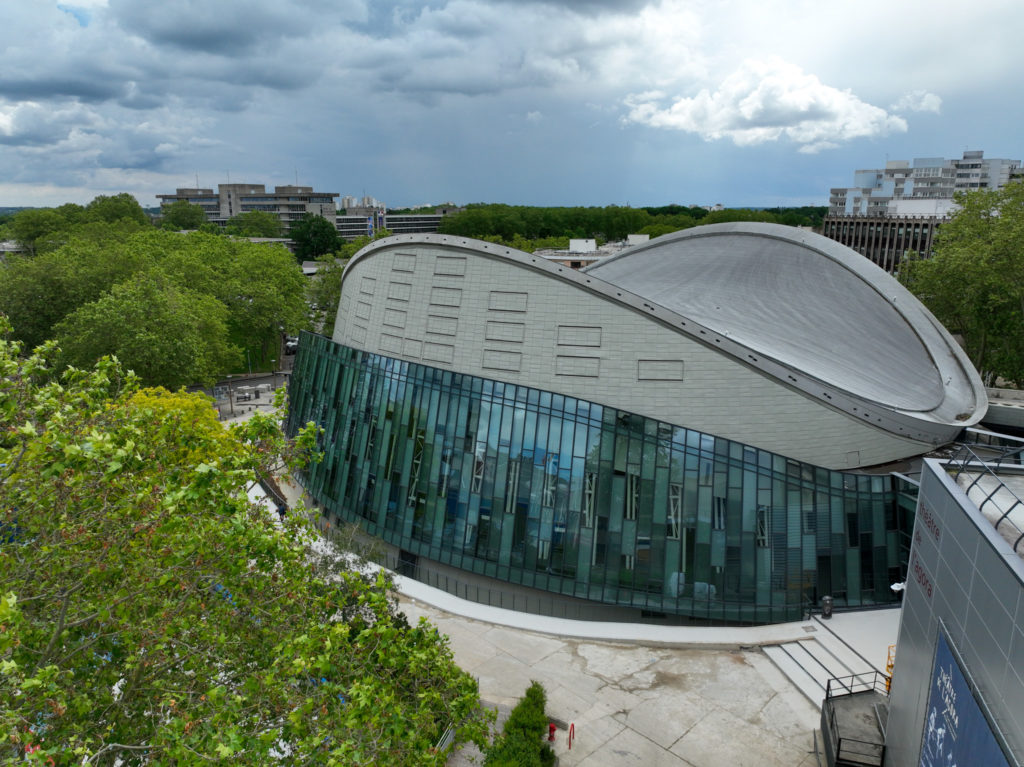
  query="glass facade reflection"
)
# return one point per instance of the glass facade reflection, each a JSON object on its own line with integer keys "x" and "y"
{"x": 571, "y": 497}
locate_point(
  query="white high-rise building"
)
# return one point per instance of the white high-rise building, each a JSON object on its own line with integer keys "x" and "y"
{"x": 924, "y": 187}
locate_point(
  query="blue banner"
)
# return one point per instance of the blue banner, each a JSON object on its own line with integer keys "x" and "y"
{"x": 956, "y": 732}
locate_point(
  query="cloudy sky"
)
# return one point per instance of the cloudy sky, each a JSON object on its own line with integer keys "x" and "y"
{"x": 561, "y": 102}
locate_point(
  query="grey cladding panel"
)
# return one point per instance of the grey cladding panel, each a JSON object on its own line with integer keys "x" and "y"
{"x": 579, "y": 335}
{"x": 358, "y": 334}
{"x": 390, "y": 344}
{"x": 442, "y": 326}
{"x": 400, "y": 291}
{"x": 451, "y": 265}
{"x": 438, "y": 352}
{"x": 363, "y": 310}
{"x": 368, "y": 285}
{"x": 404, "y": 262}
{"x": 507, "y": 301}
{"x": 412, "y": 348}
{"x": 502, "y": 360}
{"x": 446, "y": 296}
{"x": 659, "y": 370}
{"x": 586, "y": 367}
{"x": 395, "y": 318}
{"x": 513, "y": 332}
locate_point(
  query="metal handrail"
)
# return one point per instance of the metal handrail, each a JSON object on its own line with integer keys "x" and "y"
{"x": 967, "y": 461}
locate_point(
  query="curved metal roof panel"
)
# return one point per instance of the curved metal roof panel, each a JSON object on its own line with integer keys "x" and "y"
{"x": 812, "y": 305}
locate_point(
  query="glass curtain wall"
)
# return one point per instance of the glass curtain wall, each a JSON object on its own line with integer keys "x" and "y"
{"x": 555, "y": 493}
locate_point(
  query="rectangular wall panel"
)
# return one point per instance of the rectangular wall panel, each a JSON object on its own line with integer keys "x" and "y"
{"x": 404, "y": 262}
{"x": 395, "y": 318}
{"x": 513, "y": 332}
{"x": 579, "y": 335}
{"x": 454, "y": 266}
{"x": 507, "y": 301}
{"x": 400, "y": 291}
{"x": 368, "y": 285}
{"x": 495, "y": 359}
{"x": 358, "y": 334}
{"x": 659, "y": 370}
{"x": 586, "y": 367}
{"x": 363, "y": 310}
{"x": 446, "y": 296}
{"x": 412, "y": 348}
{"x": 390, "y": 344}
{"x": 438, "y": 352}
{"x": 442, "y": 326}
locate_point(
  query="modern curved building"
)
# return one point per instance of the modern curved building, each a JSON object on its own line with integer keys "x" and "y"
{"x": 686, "y": 429}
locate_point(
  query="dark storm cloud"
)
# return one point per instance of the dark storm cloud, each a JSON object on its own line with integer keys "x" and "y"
{"x": 90, "y": 89}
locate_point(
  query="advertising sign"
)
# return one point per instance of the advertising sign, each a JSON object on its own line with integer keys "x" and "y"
{"x": 956, "y": 733}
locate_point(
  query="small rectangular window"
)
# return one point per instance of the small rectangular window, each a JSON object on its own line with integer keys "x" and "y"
{"x": 632, "y": 495}
{"x": 718, "y": 513}
{"x": 675, "y": 509}
{"x": 764, "y": 526}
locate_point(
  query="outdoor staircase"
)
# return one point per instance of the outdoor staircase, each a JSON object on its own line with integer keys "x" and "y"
{"x": 810, "y": 663}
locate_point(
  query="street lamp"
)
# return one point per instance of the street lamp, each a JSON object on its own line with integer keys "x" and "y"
{"x": 231, "y": 401}
{"x": 273, "y": 369}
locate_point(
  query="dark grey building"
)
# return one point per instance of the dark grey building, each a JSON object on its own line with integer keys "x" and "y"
{"x": 957, "y": 695}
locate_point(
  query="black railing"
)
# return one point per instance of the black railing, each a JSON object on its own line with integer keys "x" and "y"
{"x": 852, "y": 751}
{"x": 982, "y": 460}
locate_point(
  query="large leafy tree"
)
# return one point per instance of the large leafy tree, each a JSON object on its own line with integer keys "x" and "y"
{"x": 314, "y": 236}
{"x": 260, "y": 286}
{"x": 117, "y": 207}
{"x": 151, "y": 613}
{"x": 974, "y": 281}
{"x": 255, "y": 223}
{"x": 167, "y": 334}
{"x": 183, "y": 215}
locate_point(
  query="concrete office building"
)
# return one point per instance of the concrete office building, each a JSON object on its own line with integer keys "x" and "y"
{"x": 288, "y": 203}
{"x": 685, "y": 430}
{"x": 957, "y": 692}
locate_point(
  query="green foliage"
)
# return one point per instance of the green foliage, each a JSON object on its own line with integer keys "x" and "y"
{"x": 259, "y": 286}
{"x": 974, "y": 282}
{"x": 183, "y": 215}
{"x": 525, "y": 228}
{"x": 150, "y": 613}
{"x": 323, "y": 293}
{"x": 118, "y": 207}
{"x": 522, "y": 743}
{"x": 255, "y": 223}
{"x": 45, "y": 229}
{"x": 167, "y": 334}
{"x": 314, "y": 236}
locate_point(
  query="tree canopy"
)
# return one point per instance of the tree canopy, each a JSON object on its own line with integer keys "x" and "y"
{"x": 43, "y": 229}
{"x": 259, "y": 286}
{"x": 314, "y": 236}
{"x": 974, "y": 280}
{"x": 150, "y": 612}
{"x": 520, "y": 223}
{"x": 183, "y": 215}
{"x": 254, "y": 223}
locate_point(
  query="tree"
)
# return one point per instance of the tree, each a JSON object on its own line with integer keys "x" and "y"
{"x": 314, "y": 236}
{"x": 255, "y": 223}
{"x": 260, "y": 286}
{"x": 167, "y": 334}
{"x": 323, "y": 293}
{"x": 116, "y": 207}
{"x": 31, "y": 225}
{"x": 150, "y": 613}
{"x": 974, "y": 281}
{"x": 183, "y": 215}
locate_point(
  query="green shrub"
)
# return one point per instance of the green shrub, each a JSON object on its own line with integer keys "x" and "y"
{"x": 522, "y": 743}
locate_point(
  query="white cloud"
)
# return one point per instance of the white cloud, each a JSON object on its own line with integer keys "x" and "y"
{"x": 918, "y": 101}
{"x": 534, "y": 117}
{"x": 767, "y": 101}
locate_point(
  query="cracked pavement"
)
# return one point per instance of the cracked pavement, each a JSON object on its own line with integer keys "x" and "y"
{"x": 637, "y": 705}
